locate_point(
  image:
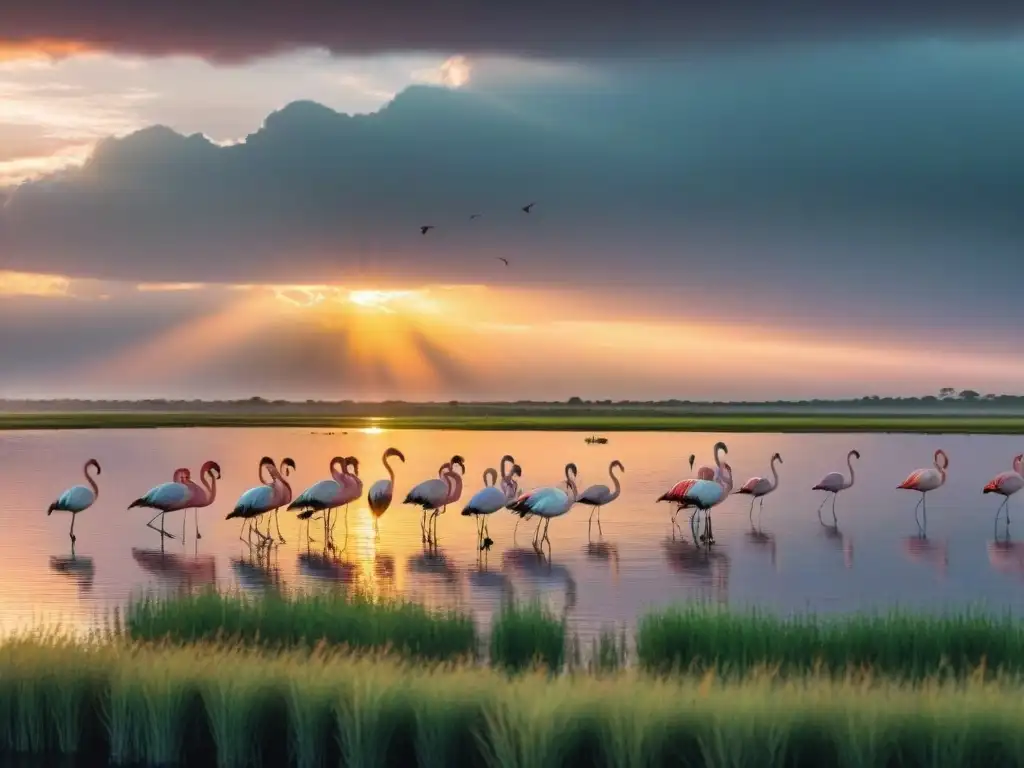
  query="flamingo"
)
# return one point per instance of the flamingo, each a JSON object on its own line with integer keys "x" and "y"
{"x": 834, "y": 482}
{"x": 322, "y": 496}
{"x": 1006, "y": 484}
{"x": 548, "y": 503}
{"x": 597, "y": 496}
{"x": 166, "y": 497}
{"x": 704, "y": 473}
{"x": 78, "y": 498}
{"x": 283, "y": 491}
{"x": 508, "y": 484}
{"x": 485, "y": 502}
{"x": 261, "y": 499}
{"x": 380, "y": 493}
{"x": 201, "y": 495}
{"x": 433, "y": 494}
{"x": 353, "y": 487}
{"x": 759, "y": 487}
{"x": 924, "y": 480}
{"x": 702, "y": 495}
{"x": 454, "y": 480}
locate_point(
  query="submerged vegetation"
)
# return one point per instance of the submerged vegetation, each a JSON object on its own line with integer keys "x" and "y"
{"x": 207, "y": 704}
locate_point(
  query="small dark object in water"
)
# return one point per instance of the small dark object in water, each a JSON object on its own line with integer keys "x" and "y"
{"x": 488, "y": 543}
{"x": 598, "y": 440}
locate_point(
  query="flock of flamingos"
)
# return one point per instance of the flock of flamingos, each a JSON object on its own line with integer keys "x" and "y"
{"x": 501, "y": 490}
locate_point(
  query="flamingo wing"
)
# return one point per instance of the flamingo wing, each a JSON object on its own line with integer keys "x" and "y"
{"x": 678, "y": 491}
{"x": 485, "y": 501}
{"x": 259, "y": 498}
{"x": 594, "y": 495}
{"x": 545, "y": 502}
{"x": 913, "y": 480}
{"x": 318, "y": 496}
{"x": 74, "y": 499}
{"x": 380, "y": 492}
{"x": 831, "y": 482}
{"x": 164, "y": 496}
{"x": 430, "y": 494}
{"x": 753, "y": 485}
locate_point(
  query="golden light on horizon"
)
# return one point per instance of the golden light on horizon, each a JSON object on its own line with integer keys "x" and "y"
{"x": 42, "y": 48}
{"x": 32, "y": 284}
{"x": 455, "y": 71}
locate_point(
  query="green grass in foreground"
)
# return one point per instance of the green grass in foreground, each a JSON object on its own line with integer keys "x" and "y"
{"x": 152, "y": 705}
{"x": 935, "y": 424}
{"x": 690, "y": 639}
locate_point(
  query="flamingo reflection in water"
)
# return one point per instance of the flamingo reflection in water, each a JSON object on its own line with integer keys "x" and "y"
{"x": 1006, "y": 556}
{"x": 175, "y": 569}
{"x": 836, "y": 537}
{"x": 921, "y": 549}
{"x": 604, "y": 552}
{"x": 257, "y": 572}
{"x": 81, "y": 569}
{"x": 758, "y": 538}
{"x": 325, "y": 567}
{"x": 536, "y": 568}
{"x": 705, "y": 569}
{"x": 433, "y": 561}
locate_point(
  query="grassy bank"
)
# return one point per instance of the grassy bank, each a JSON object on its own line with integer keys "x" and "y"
{"x": 587, "y": 422}
{"x": 691, "y": 640}
{"x": 205, "y": 705}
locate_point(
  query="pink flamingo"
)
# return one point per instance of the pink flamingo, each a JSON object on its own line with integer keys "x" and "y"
{"x": 323, "y": 496}
{"x": 703, "y": 495}
{"x": 435, "y": 494}
{"x": 704, "y": 473}
{"x": 353, "y": 488}
{"x": 924, "y": 480}
{"x": 381, "y": 492}
{"x": 78, "y": 498}
{"x": 1006, "y": 484}
{"x": 202, "y": 495}
{"x": 834, "y": 482}
{"x": 284, "y": 491}
{"x": 262, "y": 499}
{"x": 759, "y": 487}
{"x": 166, "y": 497}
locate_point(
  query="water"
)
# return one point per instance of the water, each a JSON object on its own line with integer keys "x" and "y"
{"x": 876, "y": 558}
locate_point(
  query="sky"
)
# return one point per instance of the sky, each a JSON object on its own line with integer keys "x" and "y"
{"x": 730, "y": 203}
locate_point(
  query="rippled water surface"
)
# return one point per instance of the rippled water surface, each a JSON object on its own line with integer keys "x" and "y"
{"x": 873, "y": 559}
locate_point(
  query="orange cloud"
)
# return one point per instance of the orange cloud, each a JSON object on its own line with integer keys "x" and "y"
{"x": 42, "y": 48}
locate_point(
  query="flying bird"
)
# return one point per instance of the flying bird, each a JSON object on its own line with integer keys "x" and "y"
{"x": 502, "y": 258}
{"x": 474, "y": 216}
{"x": 526, "y": 208}
{"x": 79, "y": 498}
{"x": 834, "y": 482}
{"x": 924, "y": 480}
{"x": 426, "y": 228}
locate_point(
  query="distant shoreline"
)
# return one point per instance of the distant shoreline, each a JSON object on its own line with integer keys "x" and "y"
{"x": 526, "y": 420}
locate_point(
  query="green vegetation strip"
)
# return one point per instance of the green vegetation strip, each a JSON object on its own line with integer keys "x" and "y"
{"x": 596, "y": 422}
{"x": 202, "y": 704}
{"x": 690, "y": 640}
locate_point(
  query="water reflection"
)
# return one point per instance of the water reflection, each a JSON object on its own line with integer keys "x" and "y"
{"x": 78, "y": 567}
{"x": 257, "y": 571}
{"x": 705, "y": 569}
{"x": 1006, "y": 556}
{"x": 176, "y": 570}
{"x": 537, "y": 569}
{"x": 327, "y": 567}
{"x": 838, "y": 540}
{"x": 604, "y": 552}
{"x": 486, "y": 580}
{"x": 921, "y": 549}
{"x": 433, "y": 561}
{"x": 758, "y": 539}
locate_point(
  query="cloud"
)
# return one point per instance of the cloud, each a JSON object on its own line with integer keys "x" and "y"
{"x": 880, "y": 183}
{"x": 227, "y": 30}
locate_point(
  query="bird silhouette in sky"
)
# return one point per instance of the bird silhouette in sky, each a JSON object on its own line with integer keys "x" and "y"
{"x": 502, "y": 258}
{"x": 426, "y": 228}
{"x": 474, "y": 216}
{"x": 526, "y": 208}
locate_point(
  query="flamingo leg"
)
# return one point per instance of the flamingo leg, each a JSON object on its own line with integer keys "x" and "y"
{"x": 916, "y": 518}
{"x": 184, "y": 521}
{"x": 546, "y": 524}
{"x": 161, "y": 528}
{"x": 71, "y": 533}
{"x": 599, "y": 531}
{"x": 750, "y": 512}
{"x": 834, "y": 520}
{"x": 822, "y": 506}
{"x": 198, "y": 534}
{"x": 924, "y": 510}
{"x": 277, "y": 522}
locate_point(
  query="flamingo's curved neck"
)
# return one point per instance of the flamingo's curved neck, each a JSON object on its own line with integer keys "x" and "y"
{"x": 775, "y": 473}
{"x": 718, "y": 458}
{"x": 340, "y": 474}
{"x": 1016, "y": 463}
{"x": 209, "y": 480}
{"x": 490, "y": 476}
{"x": 506, "y": 459}
{"x": 941, "y": 467}
{"x": 615, "y": 482}
{"x": 391, "y": 472}
{"x": 455, "y": 487}
{"x": 271, "y": 469}
{"x": 849, "y": 463}
{"x": 89, "y": 478}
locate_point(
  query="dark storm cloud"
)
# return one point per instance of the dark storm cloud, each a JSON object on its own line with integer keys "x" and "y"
{"x": 884, "y": 180}
{"x": 233, "y": 29}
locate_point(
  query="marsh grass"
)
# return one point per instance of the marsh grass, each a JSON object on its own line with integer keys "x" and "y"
{"x": 165, "y": 704}
{"x": 357, "y": 621}
{"x": 901, "y": 645}
{"x": 525, "y": 635}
